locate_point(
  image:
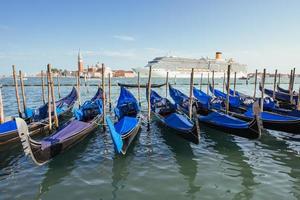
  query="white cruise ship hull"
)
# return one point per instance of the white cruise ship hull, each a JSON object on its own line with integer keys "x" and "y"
{"x": 180, "y": 74}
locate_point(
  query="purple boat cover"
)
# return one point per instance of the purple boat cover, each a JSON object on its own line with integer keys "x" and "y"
{"x": 71, "y": 129}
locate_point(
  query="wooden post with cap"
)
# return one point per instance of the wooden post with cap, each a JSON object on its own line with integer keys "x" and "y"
{"x": 191, "y": 93}
{"x": 58, "y": 84}
{"x": 213, "y": 81}
{"x": 167, "y": 84}
{"x": 78, "y": 86}
{"x": 274, "y": 85}
{"x": 109, "y": 91}
{"x": 139, "y": 88}
{"x": 17, "y": 91}
{"x": 255, "y": 83}
{"x": 2, "y": 119}
{"x": 298, "y": 102}
{"x": 234, "y": 84}
{"x": 52, "y": 96}
{"x": 292, "y": 86}
{"x": 207, "y": 91}
{"x": 201, "y": 77}
{"x": 23, "y": 90}
{"x": 263, "y": 90}
{"x": 43, "y": 87}
{"x": 228, "y": 88}
{"x": 224, "y": 81}
{"x": 104, "y": 96}
{"x": 148, "y": 96}
{"x": 49, "y": 100}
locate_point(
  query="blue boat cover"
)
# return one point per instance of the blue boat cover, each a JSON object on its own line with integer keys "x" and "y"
{"x": 179, "y": 97}
{"x": 223, "y": 120}
{"x": 178, "y": 121}
{"x": 280, "y": 95}
{"x": 89, "y": 110}
{"x": 266, "y": 116}
{"x": 125, "y": 125}
{"x": 8, "y": 126}
{"x": 61, "y": 105}
{"x": 202, "y": 97}
{"x": 116, "y": 137}
{"x": 126, "y": 103}
{"x": 234, "y": 101}
{"x": 98, "y": 95}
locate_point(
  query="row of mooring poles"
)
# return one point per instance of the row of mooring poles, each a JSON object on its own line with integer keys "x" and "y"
{"x": 51, "y": 97}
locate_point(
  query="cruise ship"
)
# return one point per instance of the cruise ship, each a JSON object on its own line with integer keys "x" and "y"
{"x": 181, "y": 67}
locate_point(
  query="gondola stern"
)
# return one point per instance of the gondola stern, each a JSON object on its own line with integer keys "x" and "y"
{"x": 257, "y": 124}
{"x": 196, "y": 130}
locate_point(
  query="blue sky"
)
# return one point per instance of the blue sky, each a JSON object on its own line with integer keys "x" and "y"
{"x": 128, "y": 33}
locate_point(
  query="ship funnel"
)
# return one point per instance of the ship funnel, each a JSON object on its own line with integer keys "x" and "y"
{"x": 218, "y": 55}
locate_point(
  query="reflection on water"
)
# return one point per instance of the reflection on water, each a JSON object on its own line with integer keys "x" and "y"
{"x": 226, "y": 145}
{"x": 62, "y": 166}
{"x": 159, "y": 165}
{"x": 184, "y": 156}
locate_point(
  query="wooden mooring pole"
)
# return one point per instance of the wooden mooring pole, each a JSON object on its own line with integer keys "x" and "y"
{"x": 52, "y": 96}
{"x": 17, "y": 91}
{"x": 148, "y": 97}
{"x": 191, "y": 93}
{"x": 43, "y": 87}
{"x": 255, "y": 83}
{"x": 23, "y": 91}
{"x": 104, "y": 96}
{"x": 228, "y": 89}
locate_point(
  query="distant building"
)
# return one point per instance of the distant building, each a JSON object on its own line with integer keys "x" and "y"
{"x": 123, "y": 73}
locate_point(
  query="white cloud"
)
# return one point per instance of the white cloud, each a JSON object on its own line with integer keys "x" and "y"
{"x": 124, "y": 37}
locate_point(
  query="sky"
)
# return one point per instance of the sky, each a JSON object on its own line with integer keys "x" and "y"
{"x": 129, "y": 33}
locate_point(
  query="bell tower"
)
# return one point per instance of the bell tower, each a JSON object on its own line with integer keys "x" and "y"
{"x": 80, "y": 62}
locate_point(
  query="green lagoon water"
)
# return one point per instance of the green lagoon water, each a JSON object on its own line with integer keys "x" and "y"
{"x": 159, "y": 165}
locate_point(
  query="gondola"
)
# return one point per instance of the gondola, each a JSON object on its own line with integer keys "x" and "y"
{"x": 271, "y": 120}
{"x": 215, "y": 119}
{"x": 86, "y": 119}
{"x": 280, "y": 89}
{"x": 280, "y": 96}
{"x": 127, "y": 85}
{"x": 269, "y": 104}
{"x": 37, "y": 119}
{"x": 128, "y": 122}
{"x": 167, "y": 114}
